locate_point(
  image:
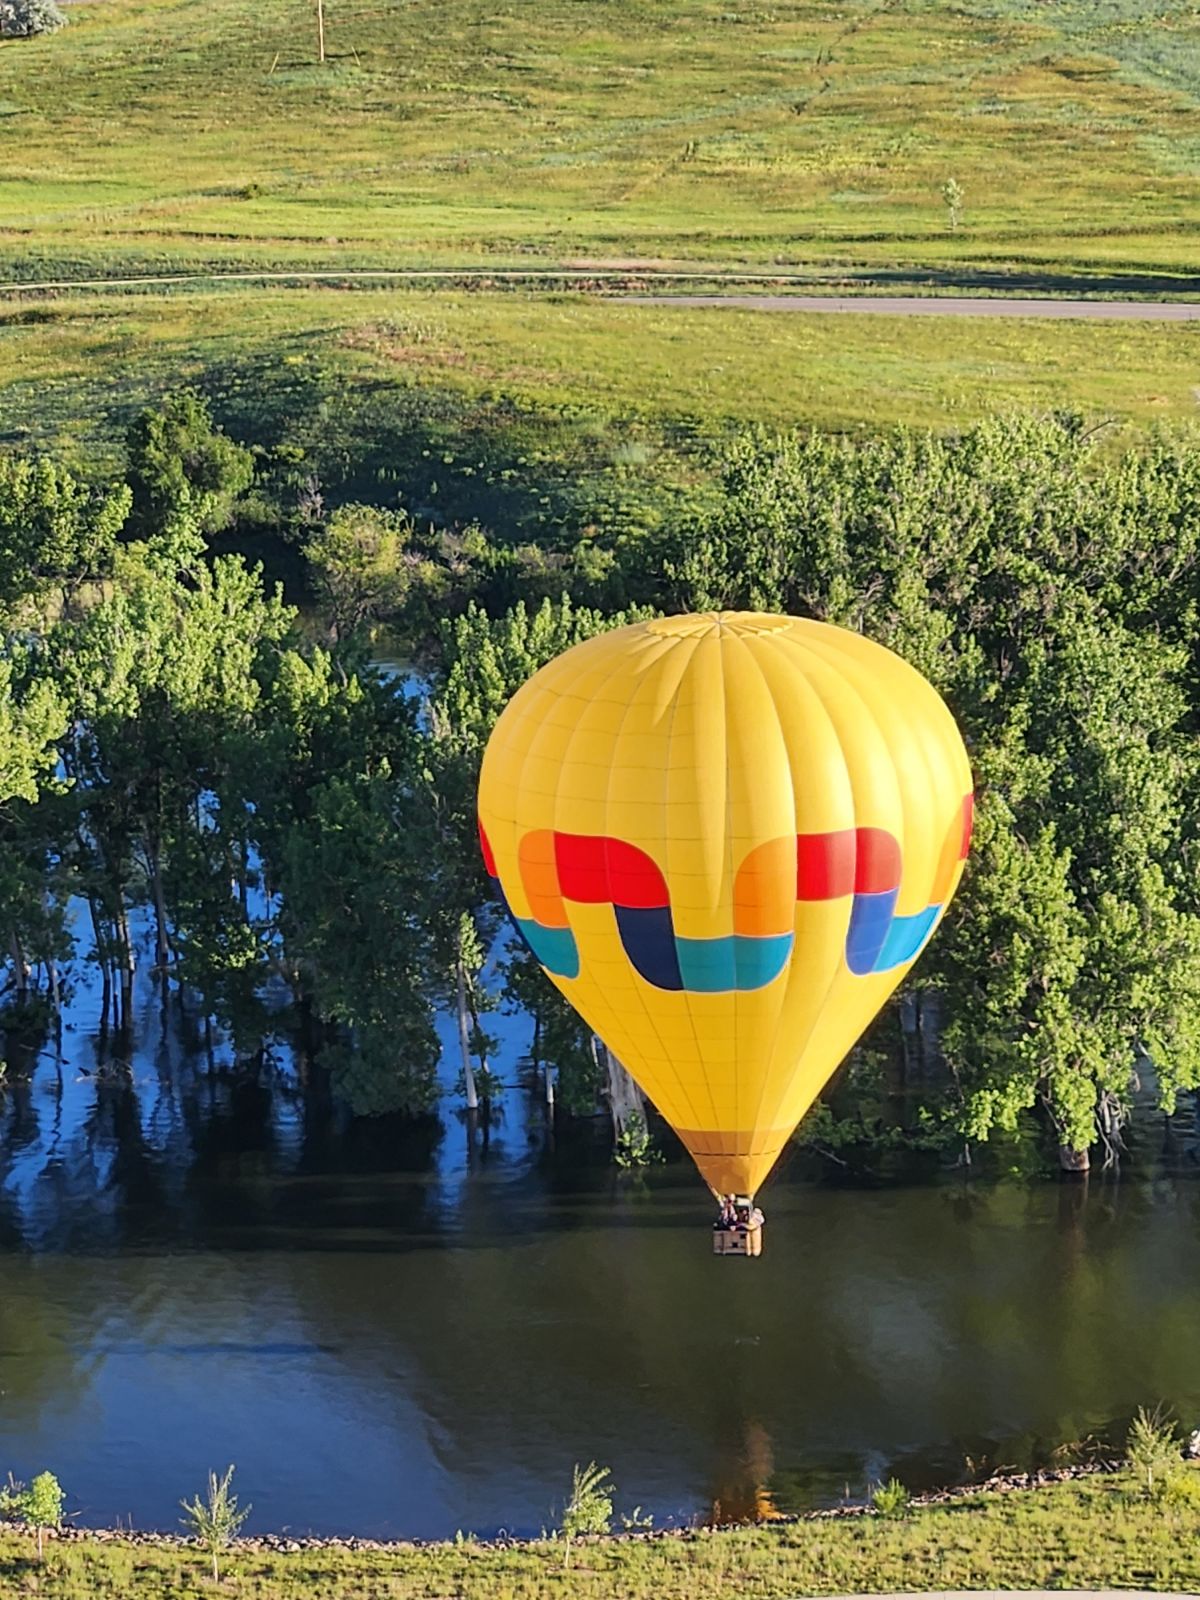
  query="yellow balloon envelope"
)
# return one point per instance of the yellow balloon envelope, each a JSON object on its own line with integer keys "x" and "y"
{"x": 726, "y": 838}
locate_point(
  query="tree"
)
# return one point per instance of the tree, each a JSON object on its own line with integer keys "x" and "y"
{"x": 216, "y": 1520}
{"x": 32, "y": 717}
{"x": 354, "y": 891}
{"x": 163, "y": 678}
{"x": 589, "y": 1510}
{"x": 1051, "y": 594}
{"x": 365, "y": 565}
{"x": 41, "y": 1507}
{"x": 182, "y": 466}
{"x": 483, "y": 662}
{"x": 55, "y": 531}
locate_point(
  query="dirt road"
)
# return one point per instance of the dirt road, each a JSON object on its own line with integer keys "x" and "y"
{"x": 929, "y": 306}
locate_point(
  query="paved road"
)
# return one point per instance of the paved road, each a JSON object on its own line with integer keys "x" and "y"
{"x": 942, "y": 306}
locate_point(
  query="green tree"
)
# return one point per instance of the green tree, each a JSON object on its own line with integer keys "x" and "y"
{"x": 32, "y": 716}
{"x": 55, "y": 531}
{"x": 216, "y": 1520}
{"x": 354, "y": 890}
{"x": 367, "y": 563}
{"x": 40, "y": 1507}
{"x": 483, "y": 662}
{"x": 589, "y": 1510}
{"x": 182, "y": 466}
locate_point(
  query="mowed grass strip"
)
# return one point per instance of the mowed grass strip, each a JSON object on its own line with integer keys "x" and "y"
{"x": 1087, "y": 1535}
{"x": 74, "y": 371}
{"x": 786, "y": 132}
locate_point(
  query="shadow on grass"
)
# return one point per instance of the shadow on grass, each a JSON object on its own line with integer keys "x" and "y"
{"x": 972, "y": 279}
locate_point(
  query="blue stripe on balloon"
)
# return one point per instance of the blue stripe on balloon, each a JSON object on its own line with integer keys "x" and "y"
{"x": 905, "y": 938}
{"x": 870, "y": 919}
{"x": 555, "y": 948}
{"x": 648, "y": 935}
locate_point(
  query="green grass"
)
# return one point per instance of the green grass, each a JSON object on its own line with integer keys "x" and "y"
{"x": 1074, "y": 1536}
{"x": 798, "y": 134}
{"x": 73, "y": 372}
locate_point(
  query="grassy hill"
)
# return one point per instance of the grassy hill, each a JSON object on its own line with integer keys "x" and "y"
{"x": 810, "y": 135}
{"x": 474, "y": 367}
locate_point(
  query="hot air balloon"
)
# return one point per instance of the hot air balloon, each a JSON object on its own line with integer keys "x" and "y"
{"x": 726, "y": 838}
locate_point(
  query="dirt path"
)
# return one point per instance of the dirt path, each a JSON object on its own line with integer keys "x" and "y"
{"x": 929, "y": 306}
{"x": 595, "y": 282}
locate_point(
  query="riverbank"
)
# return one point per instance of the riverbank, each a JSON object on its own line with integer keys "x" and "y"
{"x": 1080, "y": 1533}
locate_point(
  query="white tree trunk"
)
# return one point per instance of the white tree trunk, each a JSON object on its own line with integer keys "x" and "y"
{"x": 623, "y": 1095}
{"x": 464, "y": 1041}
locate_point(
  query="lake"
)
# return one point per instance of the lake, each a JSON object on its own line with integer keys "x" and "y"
{"x": 395, "y": 1333}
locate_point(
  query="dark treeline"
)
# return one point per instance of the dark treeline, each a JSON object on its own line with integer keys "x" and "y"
{"x": 179, "y": 754}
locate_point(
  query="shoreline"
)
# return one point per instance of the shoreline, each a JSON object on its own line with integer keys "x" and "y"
{"x": 1087, "y": 1529}
{"x": 286, "y": 1543}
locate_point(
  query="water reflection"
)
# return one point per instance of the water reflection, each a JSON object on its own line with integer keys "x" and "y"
{"x": 392, "y": 1330}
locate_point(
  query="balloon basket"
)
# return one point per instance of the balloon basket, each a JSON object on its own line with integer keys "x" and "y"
{"x": 738, "y": 1241}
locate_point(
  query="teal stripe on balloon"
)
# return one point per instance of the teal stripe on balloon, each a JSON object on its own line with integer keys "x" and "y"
{"x": 555, "y": 948}
{"x": 738, "y": 961}
{"x": 905, "y": 938}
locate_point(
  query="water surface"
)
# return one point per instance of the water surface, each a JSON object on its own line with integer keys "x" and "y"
{"x": 395, "y": 1333}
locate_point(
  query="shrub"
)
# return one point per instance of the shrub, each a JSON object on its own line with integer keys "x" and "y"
{"x": 590, "y": 1508}
{"x": 635, "y": 1145}
{"x": 22, "y": 19}
{"x": 890, "y": 1499}
{"x": 1154, "y": 1453}
{"x": 216, "y": 1521}
{"x": 42, "y": 1506}
{"x": 39, "y": 1506}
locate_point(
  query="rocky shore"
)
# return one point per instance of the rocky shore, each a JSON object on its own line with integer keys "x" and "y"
{"x": 289, "y": 1544}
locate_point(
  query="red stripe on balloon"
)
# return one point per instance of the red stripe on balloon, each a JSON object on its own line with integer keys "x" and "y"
{"x": 593, "y": 870}
{"x": 968, "y": 823}
{"x": 489, "y": 859}
{"x": 877, "y": 862}
{"x": 825, "y": 865}
{"x": 633, "y": 878}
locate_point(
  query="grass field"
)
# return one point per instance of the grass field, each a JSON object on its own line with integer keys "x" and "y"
{"x": 1074, "y": 1536}
{"x": 74, "y": 371}
{"x": 807, "y": 134}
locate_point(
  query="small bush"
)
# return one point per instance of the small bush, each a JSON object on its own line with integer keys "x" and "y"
{"x": 39, "y": 1506}
{"x": 42, "y": 1506}
{"x": 890, "y": 1499}
{"x": 23, "y": 19}
{"x": 1154, "y": 1453}
{"x": 216, "y": 1521}
{"x": 635, "y": 1145}
{"x": 590, "y": 1508}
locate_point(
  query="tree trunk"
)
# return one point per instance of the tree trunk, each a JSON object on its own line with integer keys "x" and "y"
{"x": 623, "y": 1095}
{"x": 20, "y": 965}
{"x": 127, "y": 961}
{"x": 162, "y": 945}
{"x": 1073, "y": 1160}
{"x": 464, "y": 1039}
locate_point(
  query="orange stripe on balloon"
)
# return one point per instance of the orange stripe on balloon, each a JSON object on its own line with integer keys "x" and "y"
{"x": 539, "y": 877}
{"x": 948, "y": 860}
{"x": 764, "y": 891}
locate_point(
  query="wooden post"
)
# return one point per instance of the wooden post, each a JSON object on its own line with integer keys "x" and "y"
{"x": 321, "y": 30}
